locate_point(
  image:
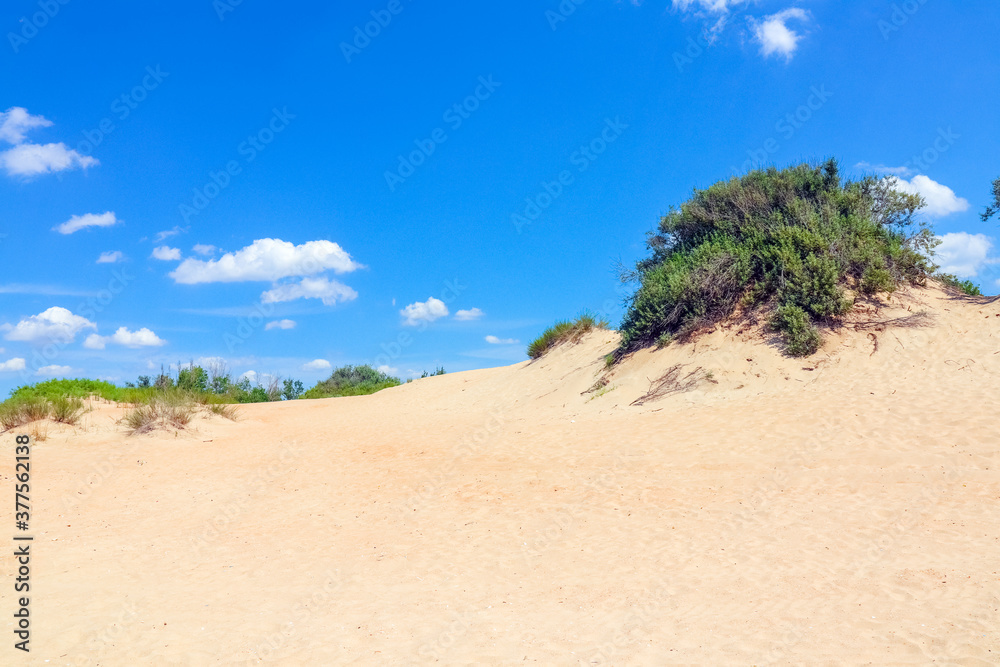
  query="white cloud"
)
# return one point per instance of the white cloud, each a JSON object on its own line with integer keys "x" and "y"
{"x": 78, "y": 222}
{"x": 260, "y": 379}
{"x": 134, "y": 339}
{"x": 317, "y": 365}
{"x": 941, "y": 200}
{"x": 713, "y": 6}
{"x": 166, "y": 253}
{"x": 387, "y": 369}
{"x": 168, "y": 233}
{"x": 15, "y": 364}
{"x": 16, "y": 121}
{"x": 110, "y": 257}
{"x": 427, "y": 311}
{"x": 26, "y": 159}
{"x": 280, "y": 324}
{"x": 775, "y": 36}
{"x": 493, "y": 340}
{"x": 54, "y": 370}
{"x": 55, "y": 323}
{"x": 882, "y": 169}
{"x": 330, "y": 291}
{"x": 34, "y": 159}
{"x": 203, "y": 249}
{"x": 266, "y": 259}
{"x": 468, "y": 315}
{"x": 964, "y": 254}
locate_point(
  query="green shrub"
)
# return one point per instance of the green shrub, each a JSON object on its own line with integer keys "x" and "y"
{"x": 877, "y": 279}
{"x": 35, "y": 408}
{"x": 793, "y": 237}
{"x": 11, "y": 415}
{"x": 564, "y": 331}
{"x": 798, "y": 332}
{"x": 67, "y": 409}
{"x": 966, "y": 287}
{"x": 352, "y": 381}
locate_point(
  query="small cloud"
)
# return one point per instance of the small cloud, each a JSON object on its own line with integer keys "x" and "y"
{"x": 493, "y": 340}
{"x": 426, "y": 311}
{"x": 964, "y": 254}
{"x": 775, "y": 36}
{"x": 941, "y": 200}
{"x": 78, "y": 222}
{"x": 204, "y": 249}
{"x": 388, "y": 370}
{"x": 110, "y": 257}
{"x": 280, "y": 324}
{"x": 54, "y": 370}
{"x": 713, "y": 6}
{"x": 330, "y": 292}
{"x": 57, "y": 324}
{"x": 882, "y": 169}
{"x": 15, "y": 364}
{"x": 468, "y": 315}
{"x": 133, "y": 339}
{"x": 317, "y": 365}
{"x": 166, "y": 253}
{"x": 35, "y": 159}
{"x": 168, "y": 233}
{"x": 16, "y": 121}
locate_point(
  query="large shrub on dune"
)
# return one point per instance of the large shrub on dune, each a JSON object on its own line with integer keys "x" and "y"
{"x": 352, "y": 381}
{"x": 793, "y": 240}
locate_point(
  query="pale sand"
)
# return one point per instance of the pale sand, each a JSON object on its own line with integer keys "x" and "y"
{"x": 846, "y": 514}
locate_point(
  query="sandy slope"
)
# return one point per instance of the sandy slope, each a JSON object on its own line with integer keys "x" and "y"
{"x": 836, "y": 510}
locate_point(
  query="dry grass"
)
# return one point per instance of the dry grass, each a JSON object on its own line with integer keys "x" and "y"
{"x": 672, "y": 382}
{"x": 159, "y": 413}
{"x": 226, "y": 410}
{"x": 38, "y": 434}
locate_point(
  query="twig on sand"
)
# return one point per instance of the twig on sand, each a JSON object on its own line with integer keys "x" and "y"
{"x": 671, "y": 382}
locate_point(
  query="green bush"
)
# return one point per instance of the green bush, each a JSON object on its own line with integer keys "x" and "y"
{"x": 564, "y": 331}
{"x": 798, "y": 332}
{"x": 352, "y": 381}
{"x": 966, "y": 287}
{"x": 793, "y": 237}
{"x": 67, "y": 409}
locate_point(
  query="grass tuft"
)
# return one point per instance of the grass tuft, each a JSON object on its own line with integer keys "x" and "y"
{"x": 67, "y": 409}
{"x": 564, "y": 331}
{"x": 226, "y": 411}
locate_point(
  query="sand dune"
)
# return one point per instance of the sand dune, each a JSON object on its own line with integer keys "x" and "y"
{"x": 841, "y": 509}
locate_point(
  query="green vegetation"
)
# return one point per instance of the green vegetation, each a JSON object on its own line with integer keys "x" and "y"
{"x": 993, "y": 208}
{"x": 966, "y": 287}
{"x": 353, "y": 381}
{"x": 562, "y": 332}
{"x": 794, "y": 240}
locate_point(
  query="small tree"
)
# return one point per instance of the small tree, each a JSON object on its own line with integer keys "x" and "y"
{"x": 193, "y": 378}
{"x": 292, "y": 390}
{"x": 993, "y": 208}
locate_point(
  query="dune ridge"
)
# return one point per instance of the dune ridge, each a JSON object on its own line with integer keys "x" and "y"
{"x": 712, "y": 502}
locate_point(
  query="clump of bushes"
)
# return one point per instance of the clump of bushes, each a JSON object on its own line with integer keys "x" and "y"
{"x": 966, "y": 287}
{"x": 353, "y": 381}
{"x": 794, "y": 240}
{"x": 564, "y": 331}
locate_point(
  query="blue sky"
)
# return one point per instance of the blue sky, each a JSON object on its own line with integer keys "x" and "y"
{"x": 276, "y": 188}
